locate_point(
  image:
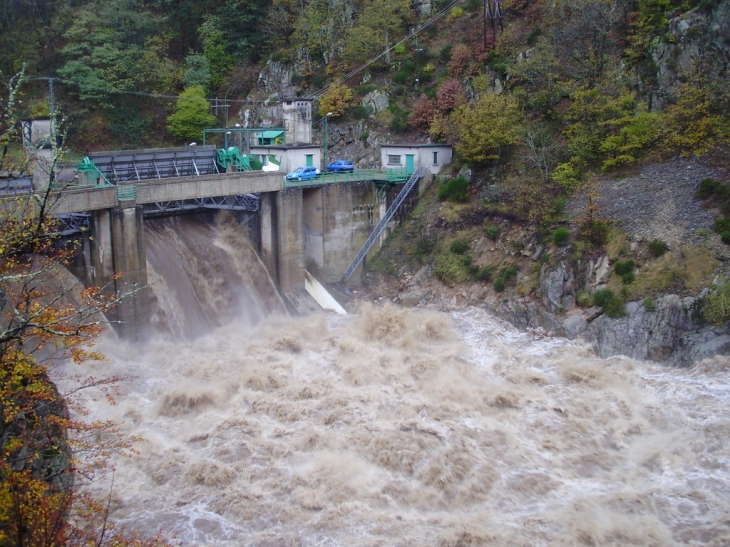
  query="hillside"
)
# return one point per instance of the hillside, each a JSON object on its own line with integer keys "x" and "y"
{"x": 658, "y": 202}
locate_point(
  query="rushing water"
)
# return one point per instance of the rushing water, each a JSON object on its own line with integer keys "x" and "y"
{"x": 396, "y": 427}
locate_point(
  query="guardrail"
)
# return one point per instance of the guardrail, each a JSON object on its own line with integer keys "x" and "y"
{"x": 389, "y": 175}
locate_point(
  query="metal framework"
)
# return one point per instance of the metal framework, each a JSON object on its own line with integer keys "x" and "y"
{"x": 73, "y": 223}
{"x": 119, "y": 167}
{"x": 242, "y": 202}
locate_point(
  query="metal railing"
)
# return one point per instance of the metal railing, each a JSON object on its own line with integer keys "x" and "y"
{"x": 417, "y": 174}
{"x": 389, "y": 175}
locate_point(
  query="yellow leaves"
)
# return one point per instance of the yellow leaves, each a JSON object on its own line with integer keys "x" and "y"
{"x": 335, "y": 101}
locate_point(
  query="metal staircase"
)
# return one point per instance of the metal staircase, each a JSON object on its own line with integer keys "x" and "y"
{"x": 417, "y": 174}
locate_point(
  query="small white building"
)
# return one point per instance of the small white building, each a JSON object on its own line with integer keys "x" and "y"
{"x": 289, "y": 157}
{"x": 433, "y": 157}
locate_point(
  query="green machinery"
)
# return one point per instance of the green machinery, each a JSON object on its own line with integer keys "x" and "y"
{"x": 232, "y": 157}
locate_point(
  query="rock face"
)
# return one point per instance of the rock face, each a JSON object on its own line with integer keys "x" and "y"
{"x": 702, "y": 33}
{"x": 673, "y": 331}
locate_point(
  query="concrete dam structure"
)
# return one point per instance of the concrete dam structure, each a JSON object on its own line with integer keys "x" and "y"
{"x": 295, "y": 226}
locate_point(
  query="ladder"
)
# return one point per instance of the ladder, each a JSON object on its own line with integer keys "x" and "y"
{"x": 417, "y": 174}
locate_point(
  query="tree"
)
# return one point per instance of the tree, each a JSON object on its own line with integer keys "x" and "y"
{"x": 482, "y": 130}
{"x": 586, "y": 38}
{"x": 381, "y": 24}
{"x": 335, "y": 100}
{"x": 191, "y": 115}
{"x": 422, "y": 114}
{"x": 449, "y": 95}
{"x": 112, "y": 47}
{"x": 46, "y": 318}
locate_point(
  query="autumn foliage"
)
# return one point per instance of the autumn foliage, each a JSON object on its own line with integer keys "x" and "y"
{"x": 48, "y": 320}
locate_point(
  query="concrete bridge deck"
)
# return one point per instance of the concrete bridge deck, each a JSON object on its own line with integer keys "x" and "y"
{"x": 85, "y": 198}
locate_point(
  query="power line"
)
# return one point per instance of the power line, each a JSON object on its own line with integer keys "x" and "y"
{"x": 440, "y": 15}
{"x": 362, "y": 67}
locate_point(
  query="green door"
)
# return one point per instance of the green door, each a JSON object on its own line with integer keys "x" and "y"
{"x": 409, "y": 163}
{"x": 310, "y": 160}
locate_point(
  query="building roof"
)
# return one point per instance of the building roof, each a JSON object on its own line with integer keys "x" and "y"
{"x": 269, "y": 134}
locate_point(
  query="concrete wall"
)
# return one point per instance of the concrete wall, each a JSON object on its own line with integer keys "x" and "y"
{"x": 338, "y": 219}
{"x": 290, "y": 240}
{"x": 313, "y": 223}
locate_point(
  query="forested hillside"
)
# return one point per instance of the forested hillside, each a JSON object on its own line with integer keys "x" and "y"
{"x": 574, "y": 83}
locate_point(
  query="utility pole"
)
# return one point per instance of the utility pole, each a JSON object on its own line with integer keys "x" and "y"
{"x": 326, "y": 135}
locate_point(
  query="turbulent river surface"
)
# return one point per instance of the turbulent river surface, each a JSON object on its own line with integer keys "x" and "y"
{"x": 397, "y": 427}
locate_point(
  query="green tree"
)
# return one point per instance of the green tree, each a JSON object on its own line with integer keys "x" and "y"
{"x": 484, "y": 129}
{"x": 197, "y": 71}
{"x": 382, "y": 24}
{"x": 321, "y": 28}
{"x": 113, "y": 46}
{"x": 191, "y": 115}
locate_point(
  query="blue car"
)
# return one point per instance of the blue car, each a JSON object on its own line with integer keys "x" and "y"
{"x": 341, "y": 165}
{"x": 303, "y": 173}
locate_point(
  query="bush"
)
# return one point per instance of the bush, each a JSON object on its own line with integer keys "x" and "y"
{"x": 425, "y": 246}
{"x": 624, "y": 267}
{"x": 657, "y": 248}
{"x": 716, "y": 309}
{"x": 460, "y": 246}
{"x": 499, "y": 284}
{"x": 722, "y": 224}
{"x": 454, "y": 190}
{"x": 649, "y": 304}
{"x": 561, "y": 236}
{"x": 612, "y": 305}
{"x": 485, "y": 273}
{"x": 492, "y": 232}
{"x": 725, "y": 237}
{"x": 709, "y": 187}
{"x": 628, "y": 278}
{"x": 584, "y": 299}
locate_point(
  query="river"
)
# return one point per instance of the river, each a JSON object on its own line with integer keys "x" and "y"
{"x": 395, "y": 427}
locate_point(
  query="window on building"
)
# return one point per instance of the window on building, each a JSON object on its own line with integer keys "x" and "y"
{"x": 435, "y": 158}
{"x": 393, "y": 160}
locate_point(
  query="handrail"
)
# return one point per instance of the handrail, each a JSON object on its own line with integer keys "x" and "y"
{"x": 417, "y": 174}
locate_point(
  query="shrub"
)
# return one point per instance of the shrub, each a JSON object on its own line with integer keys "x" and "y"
{"x": 716, "y": 309}
{"x": 612, "y": 305}
{"x": 584, "y": 299}
{"x": 508, "y": 274}
{"x": 624, "y": 267}
{"x": 456, "y": 12}
{"x": 725, "y": 237}
{"x": 709, "y": 187}
{"x": 454, "y": 190}
{"x": 492, "y": 232}
{"x": 628, "y": 278}
{"x": 460, "y": 246}
{"x": 425, "y": 246}
{"x": 422, "y": 114}
{"x": 722, "y": 224}
{"x": 560, "y": 236}
{"x": 485, "y": 273}
{"x": 649, "y": 304}
{"x": 657, "y": 248}
{"x": 499, "y": 284}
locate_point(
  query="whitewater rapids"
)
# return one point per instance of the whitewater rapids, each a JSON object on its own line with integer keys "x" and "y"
{"x": 416, "y": 428}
